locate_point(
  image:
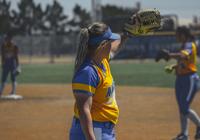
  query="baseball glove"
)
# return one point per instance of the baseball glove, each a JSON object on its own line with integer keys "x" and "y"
{"x": 18, "y": 70}
{"x": 162, "y": 54}
{"x": 143, "y": 22}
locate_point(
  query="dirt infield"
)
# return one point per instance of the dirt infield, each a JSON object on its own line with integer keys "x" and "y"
{"x": 45, "y": 113}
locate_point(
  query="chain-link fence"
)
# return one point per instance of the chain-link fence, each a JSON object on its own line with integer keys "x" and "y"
{"x": 54, "y": 46}
{"x": 142, "y": 47}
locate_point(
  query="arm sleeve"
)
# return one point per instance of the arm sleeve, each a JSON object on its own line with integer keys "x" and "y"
{"x": 188, "y": 49}
{"x": 85, "y": 81}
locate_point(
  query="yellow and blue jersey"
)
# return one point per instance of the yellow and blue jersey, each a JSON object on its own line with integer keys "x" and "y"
{"x": 97, "y": 81}
{"x": 9, "y": 50}
{"x": 9, "y": 55}
{"x": 188, "y": 65}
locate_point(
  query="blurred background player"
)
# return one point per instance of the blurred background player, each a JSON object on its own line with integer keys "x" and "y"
{"x": 186, "y": 85}
{"x": 10, "y": 63}
{"x": 96, "y": 110}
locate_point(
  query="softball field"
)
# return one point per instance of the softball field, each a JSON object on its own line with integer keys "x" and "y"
{"x": 45, "y": 113}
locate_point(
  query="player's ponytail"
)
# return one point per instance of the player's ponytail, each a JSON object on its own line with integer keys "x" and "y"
{"x": 82, "y": 48}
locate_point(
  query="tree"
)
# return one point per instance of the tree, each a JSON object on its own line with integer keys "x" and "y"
{"x": 168, "y": 25}
{"x": 55, "y": 19}
{"x": 23, "y": 20}
{"x": 109, "y": 11}
{"x": 81, "y": 17}
{"x": 115, "y": 16}
{"x": 5, "y": 24}
{"x": 38, "y": 19}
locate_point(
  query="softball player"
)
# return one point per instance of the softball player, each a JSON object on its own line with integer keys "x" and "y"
{"x": 10, "y": 62}
{"x": 95, "y": 111}
{"x": 186, "y": 81}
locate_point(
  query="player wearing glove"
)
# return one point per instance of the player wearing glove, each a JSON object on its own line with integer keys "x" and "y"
{"x": 10, "y": 63}
{"x": 186, "y": 81}
{"x": 96, "y": 111}
{"x": 143, "y": 22}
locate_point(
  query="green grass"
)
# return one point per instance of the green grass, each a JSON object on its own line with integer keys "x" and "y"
{"x": 142, "y": 74}
{"x": 133, "y": 74}
{"x": 46, "y": 73}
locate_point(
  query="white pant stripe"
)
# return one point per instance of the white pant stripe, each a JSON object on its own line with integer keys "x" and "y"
{"x": 191, "y": 88}
{"x": 98, "y": 133}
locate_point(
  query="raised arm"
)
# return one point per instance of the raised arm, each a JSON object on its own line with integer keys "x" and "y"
{"x": 117, "y": 45}
{"x": 178, "y": 55}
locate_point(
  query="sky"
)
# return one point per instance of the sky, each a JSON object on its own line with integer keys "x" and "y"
{"x": 185, "y": 9}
